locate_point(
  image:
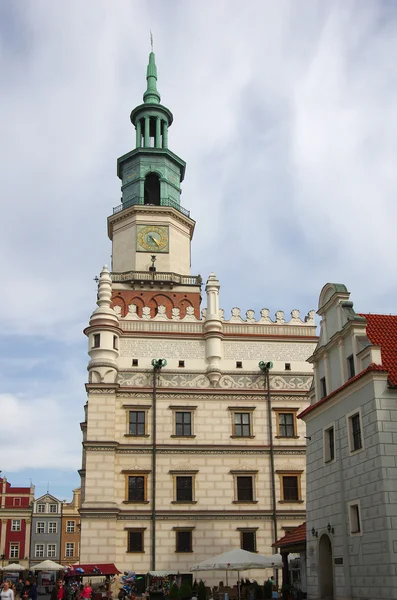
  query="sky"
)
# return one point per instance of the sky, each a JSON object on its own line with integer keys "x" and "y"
{"x": 285, "y": 113}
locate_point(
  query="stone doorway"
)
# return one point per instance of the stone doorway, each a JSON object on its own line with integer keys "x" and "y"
{"x": 326, "y": 568}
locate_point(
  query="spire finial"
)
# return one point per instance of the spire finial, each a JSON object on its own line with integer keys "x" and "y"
{"x": 151, "y": 96}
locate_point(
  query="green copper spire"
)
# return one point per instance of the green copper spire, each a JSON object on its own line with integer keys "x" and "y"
{"x": 151, "y": 96}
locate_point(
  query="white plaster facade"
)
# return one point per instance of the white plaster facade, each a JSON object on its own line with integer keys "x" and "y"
{"x": 349, "y": 558}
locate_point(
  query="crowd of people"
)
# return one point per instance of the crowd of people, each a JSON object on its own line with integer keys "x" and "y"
{"x": 27, "y": 590}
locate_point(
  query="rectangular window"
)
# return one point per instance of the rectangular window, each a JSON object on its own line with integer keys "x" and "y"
{"x": 69, "y": 549}
{"x": 184, "y": 541}
{"x": 290, "y": 488}
{"x": 242, "y": 424}
{"x": 135, "y": 540}
{"x": 286, "y": 424}
{"x": 181, "y": 363}
{"x": 52, "y": 527}
{"x": 354, "y": 518}
{"x": 287, "y": 366}
{"x": 184, "y": 488}
{"x": 53, "y": 508}
{"x": 40, "y": 527}
{"x": 350, "y": 366}
{"x": 51, "y": 550}
{"x": 96, "y": 340}
{"x": 355, "y": 432}
{"x": 245, "y": 488}
{"x": 239, "y": 364}
{"x": 323, "y": 387}
{"x": 183, "y": 423}
{"x": 248, "y": 540}
{"x": 14, "y": 550}
{"x": 17, "y": 502}
{"x": 39, "y": 551}
{"x": 70, "y": 526}
{"x": 41, "y": 508}
{"x": 115, "y": 342}
{"x": 136, "y": 488}
{"x": 329, "y": 444}
{"x": 134, "y": 362}
{"x": 15, "y": 525}
{"x": 137, "y": 422}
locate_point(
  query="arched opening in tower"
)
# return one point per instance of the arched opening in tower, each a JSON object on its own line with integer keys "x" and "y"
{"x": 152, "y": 189}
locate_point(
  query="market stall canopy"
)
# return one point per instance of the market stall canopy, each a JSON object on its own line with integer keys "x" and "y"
{"x": 92, "y": 569}
{"x": 238, "y": 560}
{"x": 162, "y": 573}
{"x": 47, "y": 565}
{"x": 13, "y": 567}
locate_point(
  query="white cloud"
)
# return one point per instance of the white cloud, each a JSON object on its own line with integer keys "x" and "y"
{"x": 43, "y": 435}
{"x": 285, "y": 114}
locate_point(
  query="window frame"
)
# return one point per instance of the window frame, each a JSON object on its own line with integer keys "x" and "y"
{"x": 245, "y": 473}
{"x": 67, "y": 550}
{"x": 352, "y": 505}
{"x": 136, "y": 408}
{"x": 323, "y": 387}
{"x": 291, "y": 473}
{"x": 43, "y": 523}
{"x": 15, "y": 524}
{"x": 70, "y": 528}
{"x": 286, "y": 411}
{"x": 189, "y": 473}
{"x": 52, "y": 527}
{"x": 136, "y": 473}
{"x": 39, "y": 506}
{"x": 96, "y": 340}
{"x": 37, "y": 552}
{"x": 350, "y": 434}
{"x": 179, "y": 530}
{"x": 51, "y": 553}
{"x": 248, "y": 530}
{"x": 16, "y": 501}
{"x": 136, "y": 530}
{"x": 14, "y": 549}
{"x": 182, "y": 409}
{"x": 351, "y": 368}
{"x": 50, "y": 506}
{"x": 327, "y": 454}
{"x": 240, "y": 410}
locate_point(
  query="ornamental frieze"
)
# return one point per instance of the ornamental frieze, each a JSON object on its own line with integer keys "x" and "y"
{"x": 251, "y": 381}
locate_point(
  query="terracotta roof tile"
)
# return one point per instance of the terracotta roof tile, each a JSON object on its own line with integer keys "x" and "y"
{"x": 296, "y": 536}
{"x": 382, "y": 331}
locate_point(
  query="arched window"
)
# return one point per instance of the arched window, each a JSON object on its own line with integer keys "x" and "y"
{"x": 152, "y": 189}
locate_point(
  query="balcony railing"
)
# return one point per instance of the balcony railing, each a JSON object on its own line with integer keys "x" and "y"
{"x": 163, "y": 202}
{"x": 157, "y": 276}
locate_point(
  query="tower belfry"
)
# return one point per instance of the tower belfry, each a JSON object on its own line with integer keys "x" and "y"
{"x": 150, "y": 219}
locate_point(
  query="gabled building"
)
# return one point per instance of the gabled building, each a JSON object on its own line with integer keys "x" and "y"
{"x": 45, "y": 540}
{"x": 189, "y": 447}
{"x": 70, "y": 530}
{"x": 15, "y": 522}
{"x": 351, "y": 426}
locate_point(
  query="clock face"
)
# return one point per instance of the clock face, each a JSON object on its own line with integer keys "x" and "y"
{"x": 152, "y": 238}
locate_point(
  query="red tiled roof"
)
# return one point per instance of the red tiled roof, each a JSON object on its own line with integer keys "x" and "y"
{"x": 106, "y": 569}
{"x": 382, "y": 331}
{"x": 371, "y": 367}
{"x": 297, "y": 536}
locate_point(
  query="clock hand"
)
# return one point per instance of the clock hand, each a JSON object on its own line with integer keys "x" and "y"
{"x": 155, "y": 241}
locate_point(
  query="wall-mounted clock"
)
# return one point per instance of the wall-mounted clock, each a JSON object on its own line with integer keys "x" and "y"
{"x": 152, "y": 238}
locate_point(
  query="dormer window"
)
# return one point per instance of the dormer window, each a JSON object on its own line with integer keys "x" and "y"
{"x": 350, "y": 367}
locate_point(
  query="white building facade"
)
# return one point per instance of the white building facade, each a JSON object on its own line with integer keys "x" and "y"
{"x": 179, "y": 461}
{"x": 352, "y": 454}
